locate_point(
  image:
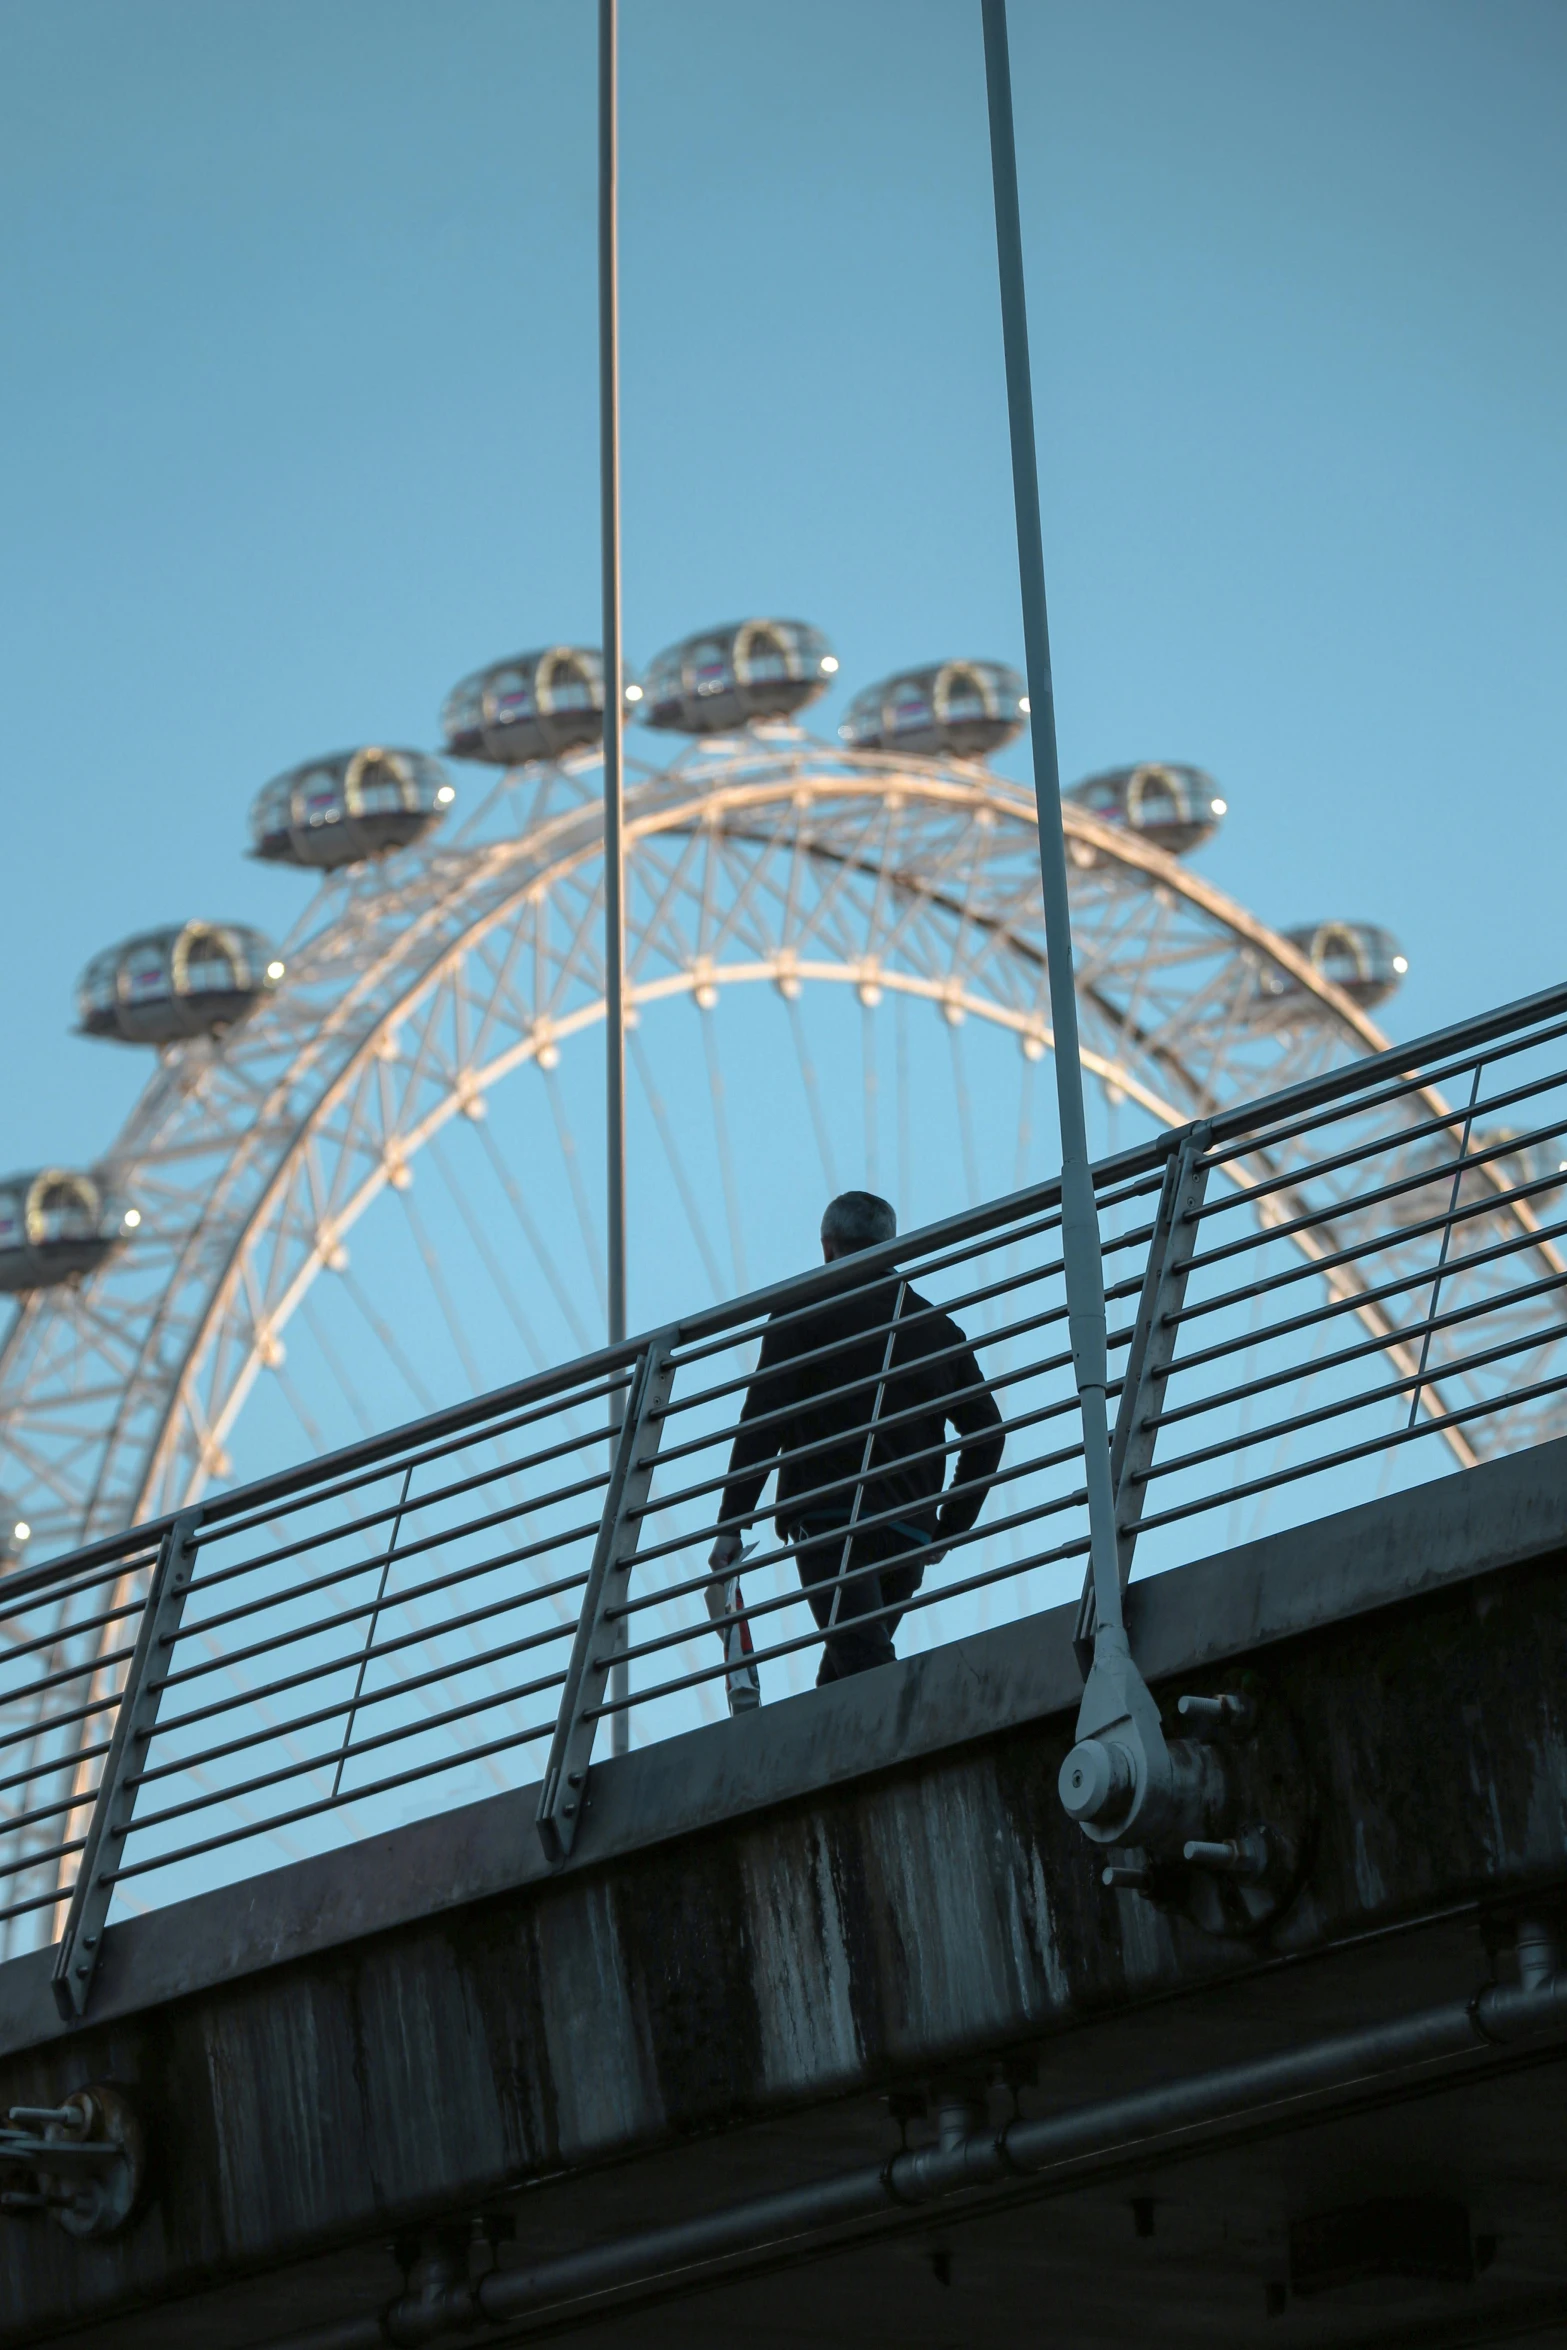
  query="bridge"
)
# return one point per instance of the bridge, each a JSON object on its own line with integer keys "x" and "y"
{"x": 360, "y": 1996}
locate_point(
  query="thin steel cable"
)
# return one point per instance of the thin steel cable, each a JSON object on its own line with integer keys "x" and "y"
{"x": 568, "y": 1152}
{"x": 443, "y": 1296}
{"x": 726, "y": 1164}
{"x": 533, "y": 1236}
{"x": 904, "y": 1152}
{"x": 965, "y": 1112}
{"x": 335, "y": 1364}
{"x": 819, "y": 1124}
{"x": 491, "y": 1262}
{"x": 688, "y": 1201}
{"x": 872, "y": 1090}
{"x": 388, "y": 1339}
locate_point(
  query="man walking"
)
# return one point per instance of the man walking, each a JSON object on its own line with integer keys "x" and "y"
{"x": 850, "y": 1404}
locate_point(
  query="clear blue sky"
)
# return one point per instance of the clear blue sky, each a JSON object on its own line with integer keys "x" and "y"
{"x": 297, "y": 419}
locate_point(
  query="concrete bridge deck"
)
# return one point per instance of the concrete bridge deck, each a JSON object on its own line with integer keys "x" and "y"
{"x": 782, "y": 1941}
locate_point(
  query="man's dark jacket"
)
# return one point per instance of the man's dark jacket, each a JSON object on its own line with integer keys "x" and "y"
{"x": 793, "y": 1403}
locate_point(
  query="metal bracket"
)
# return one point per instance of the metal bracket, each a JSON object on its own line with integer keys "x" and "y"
{"x": 83, "y": 2163}
{"x": 1148, "y": 1362}
{"x": 76, "y": 1958}
{"x": 566, "y": 1775}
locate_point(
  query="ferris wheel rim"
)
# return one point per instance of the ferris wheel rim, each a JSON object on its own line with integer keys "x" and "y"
{"x": 707, "y": 786}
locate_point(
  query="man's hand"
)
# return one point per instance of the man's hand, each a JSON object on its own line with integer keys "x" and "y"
{"x": 724, "y": 1552}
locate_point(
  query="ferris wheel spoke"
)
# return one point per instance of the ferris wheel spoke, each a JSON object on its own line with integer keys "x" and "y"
{"x": 654, "y": 927}
{"x": 965, "y": 1111}
{"x": 688, "y": 1201}
{"x": 387, "y": 1338}
{"x": 543, "y": 1256}
{"x": 819, "y": 1125}
{"x": 316, "y": 1325}
{"x": 443, "y": 1297}
{"x": 492, "y": 1264}
{"x": 568, "y": 1148}
{"x": 870, "y": 1090}
{"x": 726, "y": 1166}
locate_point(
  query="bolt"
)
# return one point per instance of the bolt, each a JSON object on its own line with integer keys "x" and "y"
{"x": 1238, "y": 1856}
{"x": 1125, "y": 1876}
{"x": 1227, "y": 1712}
{"x": 1097, "y": 1777}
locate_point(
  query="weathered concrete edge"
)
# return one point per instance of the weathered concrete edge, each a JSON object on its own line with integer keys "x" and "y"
{"x": 1273, "y": 1589}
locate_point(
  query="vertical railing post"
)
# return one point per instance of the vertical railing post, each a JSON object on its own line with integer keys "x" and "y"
{"x": 564, "y": 1791}
{"x": 76, "y": 1958}
{"x": 1149, "y": 1358}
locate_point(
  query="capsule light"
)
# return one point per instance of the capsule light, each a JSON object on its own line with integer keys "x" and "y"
{"x": 131, "y": 1219}
{"x": 21, "y": 1531}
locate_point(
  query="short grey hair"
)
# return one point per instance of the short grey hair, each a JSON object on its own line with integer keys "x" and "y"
{"x": 858, "y": 1219}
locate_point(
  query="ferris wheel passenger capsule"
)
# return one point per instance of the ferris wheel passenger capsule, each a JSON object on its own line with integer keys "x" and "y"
{"x": 348, "y": 806}
{"x": 1361, "y": 958}
{"x": 1176, "y": 808}
{"x": 533, "y": 706}
{"x": 967, "y": 708}
{"x": 197, "y": 979}
{"x": 723, "y": 678}
{"x": 55, "y": 1225}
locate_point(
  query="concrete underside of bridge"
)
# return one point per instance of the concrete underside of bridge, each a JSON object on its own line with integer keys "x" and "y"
{"x": 779, "y": 1938}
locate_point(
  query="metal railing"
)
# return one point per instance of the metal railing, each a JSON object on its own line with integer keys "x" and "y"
{"x": 1355, "y": 1281}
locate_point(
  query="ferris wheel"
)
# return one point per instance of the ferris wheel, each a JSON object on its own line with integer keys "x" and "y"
{"x": 360, "y": 1179}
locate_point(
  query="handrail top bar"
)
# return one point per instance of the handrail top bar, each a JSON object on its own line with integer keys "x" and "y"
{"x": 798, "y": 1290}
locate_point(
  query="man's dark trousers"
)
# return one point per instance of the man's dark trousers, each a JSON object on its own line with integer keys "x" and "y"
{"x": 854, "y": 1646}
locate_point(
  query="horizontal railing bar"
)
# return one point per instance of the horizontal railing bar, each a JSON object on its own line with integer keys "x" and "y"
{"x": 75, "y": 1713}
{"x": 394, "y": 1509}
{"x": 61, "y": 1896}
{"x": 479, "y": 1662}
{"x": 679, "y": 1404}
{"x": 36, "y": 1860}
{"x": 1437, "y": 1425}
{"x": 78, "y": 1672}
{"x": 1340, "y": 1211}
{"x": 1340, "y": 1407}
{"x": 815, "y": 1638}
{"x": 415, "y": 1638}
{"x": 36, "y": 1773}
{"x": 357, "y": 1613}
{"x": 12, "y": 1823}
{"x": 1355, "y": 1301}
{"x": 1405, "y": 1138}
{"x": 1375, "y": 1244}
{"x": 425, "y": 1726}
{"x": 1268, "y": 1119}
{"x": 65, "y": 1632}
{"x": 781, "y": 1414}
{"x": 310, "y": 1811}
{"x": 835, "y": 1536}
{"x": 61, "y": 1578}
{"x": 815, "y": 1496}
{"x": 1437, "y": 1371}
{"x": 417, "y": 1548}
